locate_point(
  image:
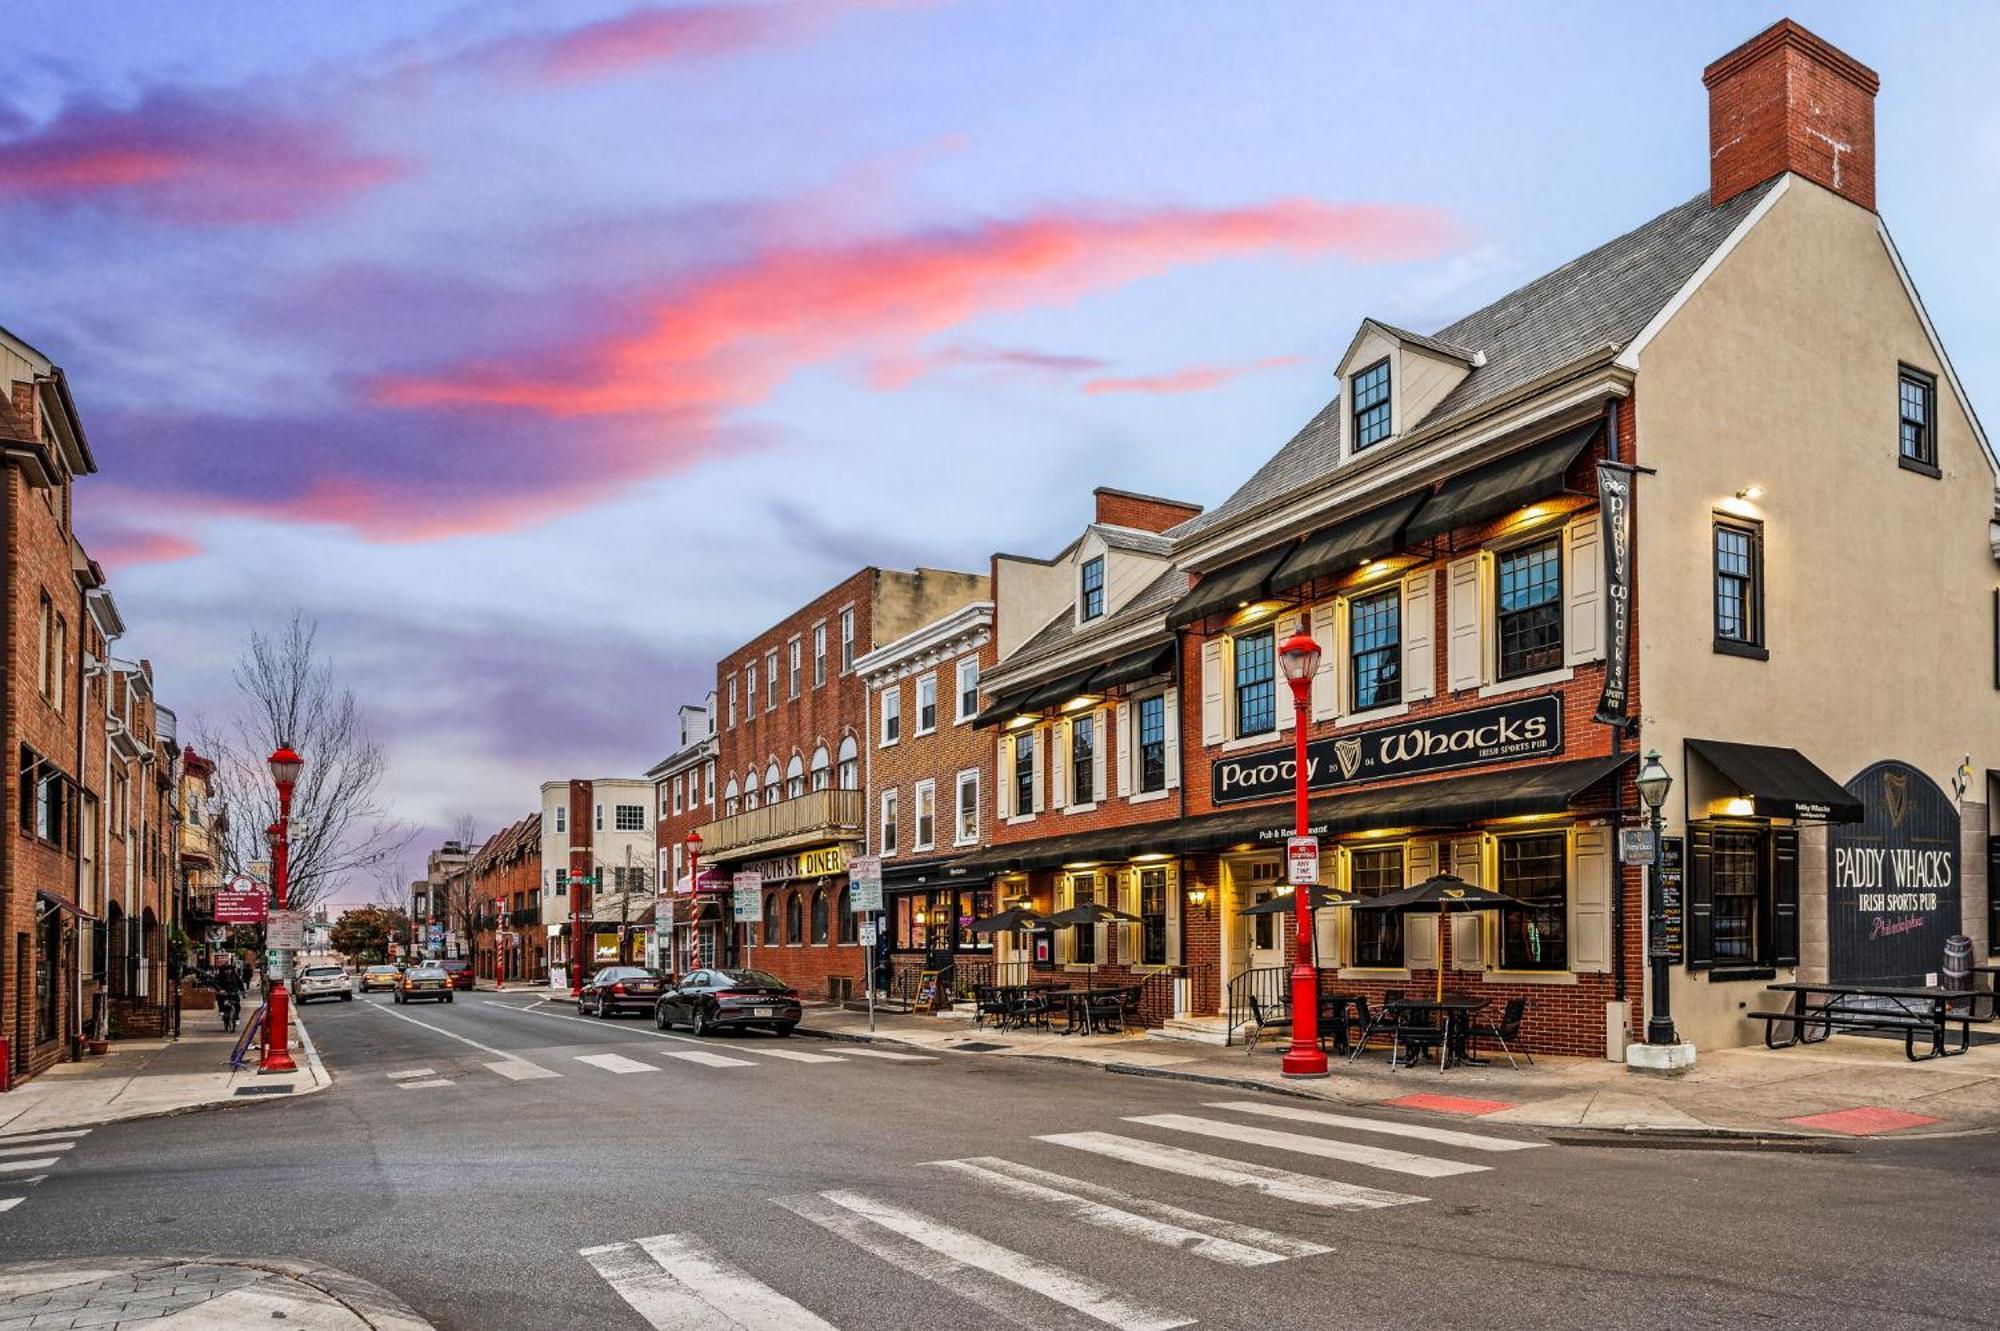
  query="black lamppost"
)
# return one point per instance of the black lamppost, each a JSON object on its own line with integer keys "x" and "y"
{"x": 1654, "y": 781}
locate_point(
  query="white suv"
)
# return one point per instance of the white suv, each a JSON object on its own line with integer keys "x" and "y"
{"x": 322, "y": 982}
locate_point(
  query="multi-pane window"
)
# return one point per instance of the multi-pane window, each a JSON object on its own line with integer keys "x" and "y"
{"x": 1152, "y": 917}
{"x": 1024, "y": 772}
{"x": 1375, "y": 649}
{"x": 1083, "y": 759}
{"x": 892, "y": 714}
{"x": 844, "y": 920}
{"x": 732, "y": 702}
{"x": 770, "y": 680}
{"x": 1916, "y": 401}
{"x": 819, "y": 655}
{"x": 770, "y": 918}
{"x": 792, "y": 661}
{"x": 731, "y": 800}
{"x": 887, "y": 845}
{"x": 1153, "y": 743}
{"x": 848, "y": 770}
{"x": 926, "y": 704}
{"x": 1534, "y": 870}
{"x": 926, "y": 815}
{"x": 822, "y": 770}
{"x": 1256, "y": 686}
{"x": 968, "y": 808}
{"x": 562, "y": 882}
{"x": 1736, "y": 882}
{"x": 630, "y": 817}
{"x": 846, "y": 641}
{"x": 1530, "y": 606}
{"x": 819, "y": 917}
{"x": 1090, "y": 592}
{"x": 677, "y": 794}
{"x": 562, "y": 819}
{"x": 1371, "y": 405}
{"x": 1378, "y": 934}
{"x": 750, "y": 690}
{"x": 1083, "y": 940}
{"x": 1739, "y": 595}
{"x": 968, "y": 687}
{"x": 795, "y": 778}
{"x": 794, "y": 919}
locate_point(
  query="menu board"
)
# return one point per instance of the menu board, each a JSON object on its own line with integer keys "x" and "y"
{"x": 1668, "y": 942}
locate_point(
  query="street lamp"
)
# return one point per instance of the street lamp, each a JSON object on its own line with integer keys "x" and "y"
{"x": 1654, "y": 781}
{"x": 1299, "y": 658}
{"x": 285, "y": 765}
{"x": 499, "y": 943}
{"x": 692, "y": 844}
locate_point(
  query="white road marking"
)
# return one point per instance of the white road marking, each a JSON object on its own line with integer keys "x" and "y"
{"x": 890, "y": 1054}
{"x": 1305, "y": 1189}
{"x": 467, "y": 1040}
{"x": 68, "y": 1134}
{"x": 744, "y": 1047}
{"x": 616, "y": 1063}
{"x": 1374, "y": 1157}
{"x": 9, "y": 1203}
{"x": 23, "y": 1166}
{"x": 1106, "y": 1208}
{"x": 707, "y": 1059}
{"x": 520, "y": 1069}
{"x": 1471, "y": 1141}
{"x": 954, "y": 1255}
{"x": 420, "y": 1085}
{"x": 677, "y": 1283}
{"x": 1053, "y": 1186}
{"x": 799, "y": 1056}
{"x": 412, "y": 1072}
{"x": 35, "y": 1150}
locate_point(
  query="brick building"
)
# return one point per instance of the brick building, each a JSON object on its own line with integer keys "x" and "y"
{"x": 599, "y": 843}
{"x": 684, "y": 797}
{"x": 793, "y": 722}
{"x": 506, "y": 890}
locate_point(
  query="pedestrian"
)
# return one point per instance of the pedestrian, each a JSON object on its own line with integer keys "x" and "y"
{"x": 228, "y": 995}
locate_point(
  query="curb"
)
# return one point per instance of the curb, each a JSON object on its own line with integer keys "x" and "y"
{"x": 371, "y": 1304}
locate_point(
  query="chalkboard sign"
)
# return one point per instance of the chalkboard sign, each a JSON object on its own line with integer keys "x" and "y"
{"x": 927, "y": 992}
{"x": 1672, "y": 876}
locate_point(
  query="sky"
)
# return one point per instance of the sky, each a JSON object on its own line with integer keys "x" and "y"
{"x": 545, "y": 352}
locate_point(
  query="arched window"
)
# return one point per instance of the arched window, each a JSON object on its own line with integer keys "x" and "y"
{"x": 850, "y": 766}
{"x": 822, "y": 769}
{"x": 819, "y": 917}
{"x": 750, "y": 789}
{"x": 794, "y": 918}
{"x": 771, "y": 783}
{"x": 795, "y": 778}
{"x": 770, "y": 919}
{"x": 730, "y": 799}
{"x": 843, "y": 905}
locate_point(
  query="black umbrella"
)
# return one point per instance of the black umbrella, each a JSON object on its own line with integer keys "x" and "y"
{"x": 1009, "y": 920}
{"x": 1088, "y": 916}
{"x": 1316, "y": 895}
{"x": 1443, "y": 894}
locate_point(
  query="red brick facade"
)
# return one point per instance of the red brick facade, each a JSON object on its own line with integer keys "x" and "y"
{"x": 506, "y": 893}
{"x": 1787, "y": 101}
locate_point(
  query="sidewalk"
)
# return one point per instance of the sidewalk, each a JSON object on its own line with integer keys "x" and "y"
{"x": 192, "y": 1293}
{"x": 143, "y": 1078}
{"x": 1851, "y": 1086}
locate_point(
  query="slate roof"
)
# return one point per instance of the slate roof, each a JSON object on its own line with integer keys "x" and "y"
{"x": 1160, "y": 593}
{"x": 1605, "y": 297}
{"x": 1135, "y": 539}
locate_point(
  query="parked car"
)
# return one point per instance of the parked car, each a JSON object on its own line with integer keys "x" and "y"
{"x": 618, "y": 989}
{"x": 708, "y": 1000}
{"x": 380, "y": 977}
{"x": 322, "y": 981}
{"x": 458, "y": 969}
{"x": 424, "y": 981}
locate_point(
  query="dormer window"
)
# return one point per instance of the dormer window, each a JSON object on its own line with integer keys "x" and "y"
{"x": 1370, "y": 392}
{"x": 1090, "y": 592}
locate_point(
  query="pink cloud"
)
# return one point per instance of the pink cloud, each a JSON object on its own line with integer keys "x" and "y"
{"x": 894, "y": 372}
{"x": 194, "y": 159}
{"x": 118, "y": 547}
{"x": 1193, "y": 379}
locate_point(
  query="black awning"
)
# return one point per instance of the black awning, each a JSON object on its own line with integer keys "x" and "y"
{"x": 1003, "y": 707}
{"x": 1228, "y": 589}
{"x": 899, "y": 877}
{"x": 1059, "y": 691}
{"x": 1155, "y": 660}
{"x": 1781, "y": 783}
{"x": 1502, "y": 486}
{"x": 1114, "y": 844}
{"x": 1339, "y": 548}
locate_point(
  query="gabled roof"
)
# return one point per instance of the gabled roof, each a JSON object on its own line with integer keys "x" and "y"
{"x": 1601, "y": 299}
{"x": 1160, "y": 593}
{"x": 1134, "y": 540}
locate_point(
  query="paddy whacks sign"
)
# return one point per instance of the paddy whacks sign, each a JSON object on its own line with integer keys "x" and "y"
{"x": 1892, "y": 880}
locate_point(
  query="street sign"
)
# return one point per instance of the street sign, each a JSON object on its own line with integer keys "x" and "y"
{"x": 285, "y": 928}
{"x": 1302, "y": 860}
{"x": 868, "y": 933}
{"x": 278, "y": 963}
{"x": 218, "y": 933}
{"x": 748, "y": 898}
{"x": 1635, "y": 845}
{"x": 236, "y": 906}
{"x": 864, "y": 884}
{"x": 663, "y": 916}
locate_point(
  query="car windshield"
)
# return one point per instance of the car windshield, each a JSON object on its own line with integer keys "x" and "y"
{"x": 324, "y": 970}
{"x": 628, "y": 973}
{"x": 449, "y": 965}
{"x": 381, "y": 970}
{"x": 427, "y": 972}
{"x": 752, "y": 979}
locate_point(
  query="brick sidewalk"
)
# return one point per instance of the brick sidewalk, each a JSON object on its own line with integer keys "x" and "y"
{"x": 195, "y": 1293}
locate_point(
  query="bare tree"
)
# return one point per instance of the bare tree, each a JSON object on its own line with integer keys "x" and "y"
{"x": 464, "y": 829}
{"x": 291, "y": 695}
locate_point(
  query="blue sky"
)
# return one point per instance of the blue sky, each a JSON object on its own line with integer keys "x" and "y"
{"x": 545, "y": 352}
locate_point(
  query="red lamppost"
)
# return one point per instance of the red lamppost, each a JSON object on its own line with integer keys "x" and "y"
{"x": 1299, "y": 658}
{"x": 285, "y": 766}
{"x": 499, "y": 944}
{"x": 692, "y": 844}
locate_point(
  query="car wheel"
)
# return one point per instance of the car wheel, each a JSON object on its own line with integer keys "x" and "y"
{"x": 447, "y": 998}
{"x": 659, "y": 1017}
{"x": 785, "y": 1029}
{"x": 347, "y": 998}
{"x": 698, "y": 1022}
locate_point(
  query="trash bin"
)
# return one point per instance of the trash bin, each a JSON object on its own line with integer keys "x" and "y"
{"x": 1956, "y": 973}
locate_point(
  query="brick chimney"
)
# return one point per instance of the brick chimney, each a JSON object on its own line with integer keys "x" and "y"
{"x": 1122, "y": 508}
{"x": 1787, "y": 101}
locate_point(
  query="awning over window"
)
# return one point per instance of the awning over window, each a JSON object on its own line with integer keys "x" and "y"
{"x": 1059, "y": 691}
{"x": 1000, "y": 709}
{"x": 1339, "y": 548}
{"x": 1780, "y": 783}
{"x": 1502, "y": 486}
{"x": 1144, "y": 664}
{"x": 1229, "y": 589}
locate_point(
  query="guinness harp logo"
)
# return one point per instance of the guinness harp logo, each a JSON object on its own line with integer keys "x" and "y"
{"x": 1347, "y": 752}
{"x": 1455, "y": 893}
{"x": 1896, "y": 796}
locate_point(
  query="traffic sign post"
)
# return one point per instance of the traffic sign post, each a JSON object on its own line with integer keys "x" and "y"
{"x": 1302, "y": 860}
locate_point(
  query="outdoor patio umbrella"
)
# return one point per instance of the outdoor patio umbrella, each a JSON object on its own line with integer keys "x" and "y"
{"x": 1009, "y": 920}
{"x": 1443, "y": 894}
{"x": 1088, "y": 916}
{"x": 1316, "y": 895}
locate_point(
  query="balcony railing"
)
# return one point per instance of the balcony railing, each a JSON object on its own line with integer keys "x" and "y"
{"x": 820, "y": 815}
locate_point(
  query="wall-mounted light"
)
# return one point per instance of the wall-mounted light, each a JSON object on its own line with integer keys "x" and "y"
{"x": 1082, "y": 702}
{"x": 1022, "y": 720}
{"x": 1080, "y": 864}
{"x": 1197, "y": 895}
{"x": 1751, "y": 492}
{"x": 1739, "y": 807}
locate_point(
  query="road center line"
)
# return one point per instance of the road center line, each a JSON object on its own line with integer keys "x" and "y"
{"x": 598, "y": 1024}
{"x": 450, "y": 1035}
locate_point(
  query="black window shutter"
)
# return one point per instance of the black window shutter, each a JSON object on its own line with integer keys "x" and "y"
{"x": 1700, "y": 899}
{"x": 1785, "y": 896}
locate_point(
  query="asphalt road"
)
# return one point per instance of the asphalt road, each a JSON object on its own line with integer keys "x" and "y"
{"x": 496, "y": 1162}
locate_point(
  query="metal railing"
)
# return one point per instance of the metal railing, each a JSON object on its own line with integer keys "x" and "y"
{"x": 818, "y": 811}
{"x": 1269, "y": 985}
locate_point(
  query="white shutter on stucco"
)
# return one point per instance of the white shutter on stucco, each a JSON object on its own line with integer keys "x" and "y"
{"x": 1583, "y": 592}
{"x": 1468, "y": 927}
{"x": 1124, "y": 723}
{"x": 1419, "y": 931}
{"x": 1590, "y": 876}
{"x": 1419, "y": 635}
{"x": 1098, "y": 757}
{"x": 1039, "y": 779}
{"x": 1464, "y": 655}
{"x": 1212, "y": 690}
{"x": 1003, "y": 776}
{"x": 1059, "y": 764}
{"x": 1326, "y": 680}
{"x": 1173, "y": 739}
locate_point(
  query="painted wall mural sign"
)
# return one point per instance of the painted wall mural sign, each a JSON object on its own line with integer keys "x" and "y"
{"x": 1529, "y": 729}
{"x": 1892, "y": 879}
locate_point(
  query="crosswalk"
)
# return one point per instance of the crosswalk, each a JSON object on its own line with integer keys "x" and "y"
{"x": 627, "y": 1060}
{"x": 27, "y": 1157}
{"x": 688, "y": 1280}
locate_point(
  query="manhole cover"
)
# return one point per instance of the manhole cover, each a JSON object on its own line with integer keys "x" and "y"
{"x": 263, "y": 1090}
{"x": 981, "y": 1047}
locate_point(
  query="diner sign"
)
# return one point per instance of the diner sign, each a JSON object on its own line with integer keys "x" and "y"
{"x": 1528, "y": 729}
{"x": 1614, "y": 506}
{"x": 1892, "y": 879}
{"x": 821, "y": 863}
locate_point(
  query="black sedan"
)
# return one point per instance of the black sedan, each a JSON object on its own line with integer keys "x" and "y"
{"x": 708, "y": 1000}
{"x": 618, "y": 989}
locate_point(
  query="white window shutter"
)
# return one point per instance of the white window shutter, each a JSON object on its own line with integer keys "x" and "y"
{"x": 1124, "y": 724}
{"x": 1419, "y": 931}
{"x": 1281, "y": 689}
{"x": 1468, "y": 927}
{"x": 1098, "y": 756}
{"x": 1583, "y": 592}
{"x": 1003, "y": 771}
{"x": 1173, "y": 914}
{"x": 1040, "y": 779}
{"x": 1464, "y": 650}
{"x": 1419, "y": 635}
{"x": 1326, "y": 680}
{"x": 1213, "y": 688}
{"x": 1173, "y": 739}
{"x": 1059, "y": 764}
{"x": 1590, "y": 876}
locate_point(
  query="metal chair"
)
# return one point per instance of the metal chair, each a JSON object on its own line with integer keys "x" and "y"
{"x": 1505, "y": 1032}
{"x": 1420, "y": 1027}
{"x": 1261, "y": 1022}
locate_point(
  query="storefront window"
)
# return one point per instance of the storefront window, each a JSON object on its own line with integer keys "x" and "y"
{"x": 974, "y": 904}
{"x": 819, "y": 918}
{"x": 48, "y": 941}
{"x": 844, "y": 918}
{"x": 1378, "y": 935}
{"x": 1534, "y": 871}
{"x": 1083, "y": 940}
{"x": 794, "y": 918}
{"x": 771, "y": 920}
{"x": 1152, "y": 917}
{"x": 1736, "y": 876}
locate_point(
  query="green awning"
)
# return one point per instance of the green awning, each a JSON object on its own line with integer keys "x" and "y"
{"x": 1339, "y": 548}
{"x": 1229, "y": 589}
{"x": 1535, "y": 472}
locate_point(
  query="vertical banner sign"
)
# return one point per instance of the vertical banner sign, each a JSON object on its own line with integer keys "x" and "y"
{"x": 1672, "y": 910}
{"x": 748, "y": 898}
{"x": 1614, "y": 507}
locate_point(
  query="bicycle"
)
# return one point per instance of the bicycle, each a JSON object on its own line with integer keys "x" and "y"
{"x": 231, "y": 1008}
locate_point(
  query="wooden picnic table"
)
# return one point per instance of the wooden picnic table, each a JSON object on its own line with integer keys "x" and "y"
{"x": 1910, "y": 1010}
